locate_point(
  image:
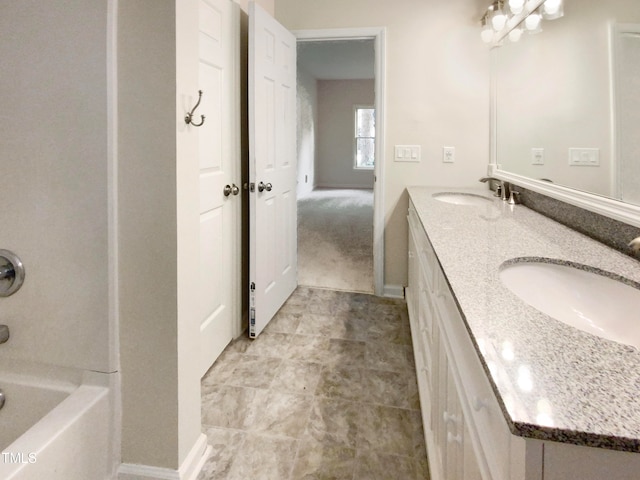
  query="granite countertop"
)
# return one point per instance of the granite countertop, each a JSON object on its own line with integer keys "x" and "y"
{"x": 553, "y": 381}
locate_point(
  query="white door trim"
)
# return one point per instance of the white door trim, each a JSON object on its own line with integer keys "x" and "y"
{"x": 378, "y": 34}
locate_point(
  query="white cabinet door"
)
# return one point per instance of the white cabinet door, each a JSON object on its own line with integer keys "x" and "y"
{"x": 219, "y": 167}
{"x": 272, "y": 167}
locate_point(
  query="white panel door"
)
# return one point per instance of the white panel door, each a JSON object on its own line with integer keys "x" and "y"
{"x": 272, "y": 167}
{"x": 218, "y": 169}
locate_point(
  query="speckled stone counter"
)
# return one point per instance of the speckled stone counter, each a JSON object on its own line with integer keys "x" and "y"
{"x": 554, "y": 382}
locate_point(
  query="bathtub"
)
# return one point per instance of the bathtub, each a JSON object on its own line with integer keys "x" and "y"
{"x": 53, "y": 429}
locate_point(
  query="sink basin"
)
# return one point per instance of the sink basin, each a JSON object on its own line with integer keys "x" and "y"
{"x": 460, "y": 198}
{"x": 591, "y": 300}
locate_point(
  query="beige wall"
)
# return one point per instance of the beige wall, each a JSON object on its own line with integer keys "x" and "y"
{"x": 437, "y": 80}
{"x": 307, "y": 95}
{"x": 147, "y": 231}
{"x": 55, "y": 186}
{"x": 335, "y": 147}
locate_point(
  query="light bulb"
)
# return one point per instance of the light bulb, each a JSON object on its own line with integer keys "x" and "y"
{"x": 532, "y": 22}
{"x": 486, "y": 34}
{"x": 515, "y": 34}
{"x": 551, "y": 7}
{"x": 498, "y": 20}
{"x": 516, "y": 6}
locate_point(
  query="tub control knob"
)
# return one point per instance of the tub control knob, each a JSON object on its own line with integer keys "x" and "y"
{"x": 11, "y": 273}
{"x": 4, "y": 333}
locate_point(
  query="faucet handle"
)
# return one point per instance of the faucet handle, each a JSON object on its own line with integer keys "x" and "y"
{"x": 635, "y": 244}
{"x": 514, "y": 199}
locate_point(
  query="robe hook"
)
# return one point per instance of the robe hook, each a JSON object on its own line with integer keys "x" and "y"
{"x": 189, "y": 116}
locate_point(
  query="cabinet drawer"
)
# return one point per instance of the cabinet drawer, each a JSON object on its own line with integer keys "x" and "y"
{"x": 487, "y": 426}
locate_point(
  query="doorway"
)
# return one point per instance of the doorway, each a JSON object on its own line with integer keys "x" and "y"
{"x": 341, "y": 220}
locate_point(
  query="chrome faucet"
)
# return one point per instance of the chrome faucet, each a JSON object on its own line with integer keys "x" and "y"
{"x": 4, "y": 333}
{"x": 502, "y": 189}
{"x": 635, "y": 245}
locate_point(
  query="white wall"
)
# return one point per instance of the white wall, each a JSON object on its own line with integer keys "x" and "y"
{"x": 336, "y": 101}
{"x": 437, "y": 94}
{"x": 307, "y": 94}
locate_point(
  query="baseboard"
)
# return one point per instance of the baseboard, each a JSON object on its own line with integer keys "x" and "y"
{"x": 189, "y": 469}
{"x": 393, "y": 291}
{"x": 358, "y": 186}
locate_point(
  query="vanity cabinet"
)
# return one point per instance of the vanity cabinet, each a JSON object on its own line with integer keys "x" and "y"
{"x": 466, "y": 433}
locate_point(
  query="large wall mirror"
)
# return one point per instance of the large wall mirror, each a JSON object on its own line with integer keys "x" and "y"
{"x": 567, "y": 106}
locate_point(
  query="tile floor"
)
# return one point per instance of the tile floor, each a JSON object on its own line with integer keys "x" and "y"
{"x": 327, "y": 391}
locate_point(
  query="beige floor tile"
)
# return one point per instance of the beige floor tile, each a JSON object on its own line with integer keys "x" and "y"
{"x": 327, "y": 391}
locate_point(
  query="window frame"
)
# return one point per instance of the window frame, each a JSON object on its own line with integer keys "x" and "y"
{"x": 356, "y": 137}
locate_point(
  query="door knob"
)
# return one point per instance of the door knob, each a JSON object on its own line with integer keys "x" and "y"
{"x": 227, "y": 190}
{"x": 262, "y": 187}
{"x": 235, "y": 189}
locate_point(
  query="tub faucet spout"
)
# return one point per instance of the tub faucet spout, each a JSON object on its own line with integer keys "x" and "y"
{"x": 4, "y": 333}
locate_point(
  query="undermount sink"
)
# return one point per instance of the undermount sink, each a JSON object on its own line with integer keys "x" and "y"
{"x": 589, "y": 300}
{"x": 460, "y": 198}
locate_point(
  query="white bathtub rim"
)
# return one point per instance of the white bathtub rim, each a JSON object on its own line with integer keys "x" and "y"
{"x": 189, "y": 470}
{"x": 53, "y": 377}
{"x": 37, "y": 438}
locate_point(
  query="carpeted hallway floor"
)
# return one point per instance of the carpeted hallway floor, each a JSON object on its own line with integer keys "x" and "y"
{"x": 335, "y": 240}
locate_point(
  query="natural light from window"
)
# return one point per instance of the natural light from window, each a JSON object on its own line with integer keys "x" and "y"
{"x": 365, "y": 137}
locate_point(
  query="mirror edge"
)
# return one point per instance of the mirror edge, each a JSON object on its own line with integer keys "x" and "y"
{"x": 623, "y": 212}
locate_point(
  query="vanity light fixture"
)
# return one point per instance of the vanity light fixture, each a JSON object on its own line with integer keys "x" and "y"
{"x": 500, "y": 21}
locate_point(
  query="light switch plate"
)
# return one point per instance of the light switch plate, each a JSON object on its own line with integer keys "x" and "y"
{"x": 407, "y": 153}
{"x": 584, "y": 157}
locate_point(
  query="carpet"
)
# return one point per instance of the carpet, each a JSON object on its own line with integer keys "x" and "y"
{"x": 335, "y": 240}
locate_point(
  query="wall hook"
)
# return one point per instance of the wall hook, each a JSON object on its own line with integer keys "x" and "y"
{"x": 189, "y": 116}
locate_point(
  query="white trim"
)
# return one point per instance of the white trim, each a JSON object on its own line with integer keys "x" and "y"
{"x": 358, "y": 186}
{"x": 393, "y": 291}
{"x": 378, "y": 34}
{"x": 189, "y": 469}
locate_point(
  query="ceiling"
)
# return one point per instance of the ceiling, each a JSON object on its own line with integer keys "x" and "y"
{"x": 338, "y": 59}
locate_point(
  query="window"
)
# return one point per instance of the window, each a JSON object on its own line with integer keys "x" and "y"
{"x": 365, "y": 137}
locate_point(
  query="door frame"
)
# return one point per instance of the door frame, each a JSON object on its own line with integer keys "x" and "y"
{"x": 378, "y": 35}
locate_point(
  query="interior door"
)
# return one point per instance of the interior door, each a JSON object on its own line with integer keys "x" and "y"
{"x": 219, "y": 202}
{"x": 272, "y": 167}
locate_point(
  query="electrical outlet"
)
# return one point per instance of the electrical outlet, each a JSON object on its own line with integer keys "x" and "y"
{"x": 537, "y": 156}
{"x": 448, "y": 154}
